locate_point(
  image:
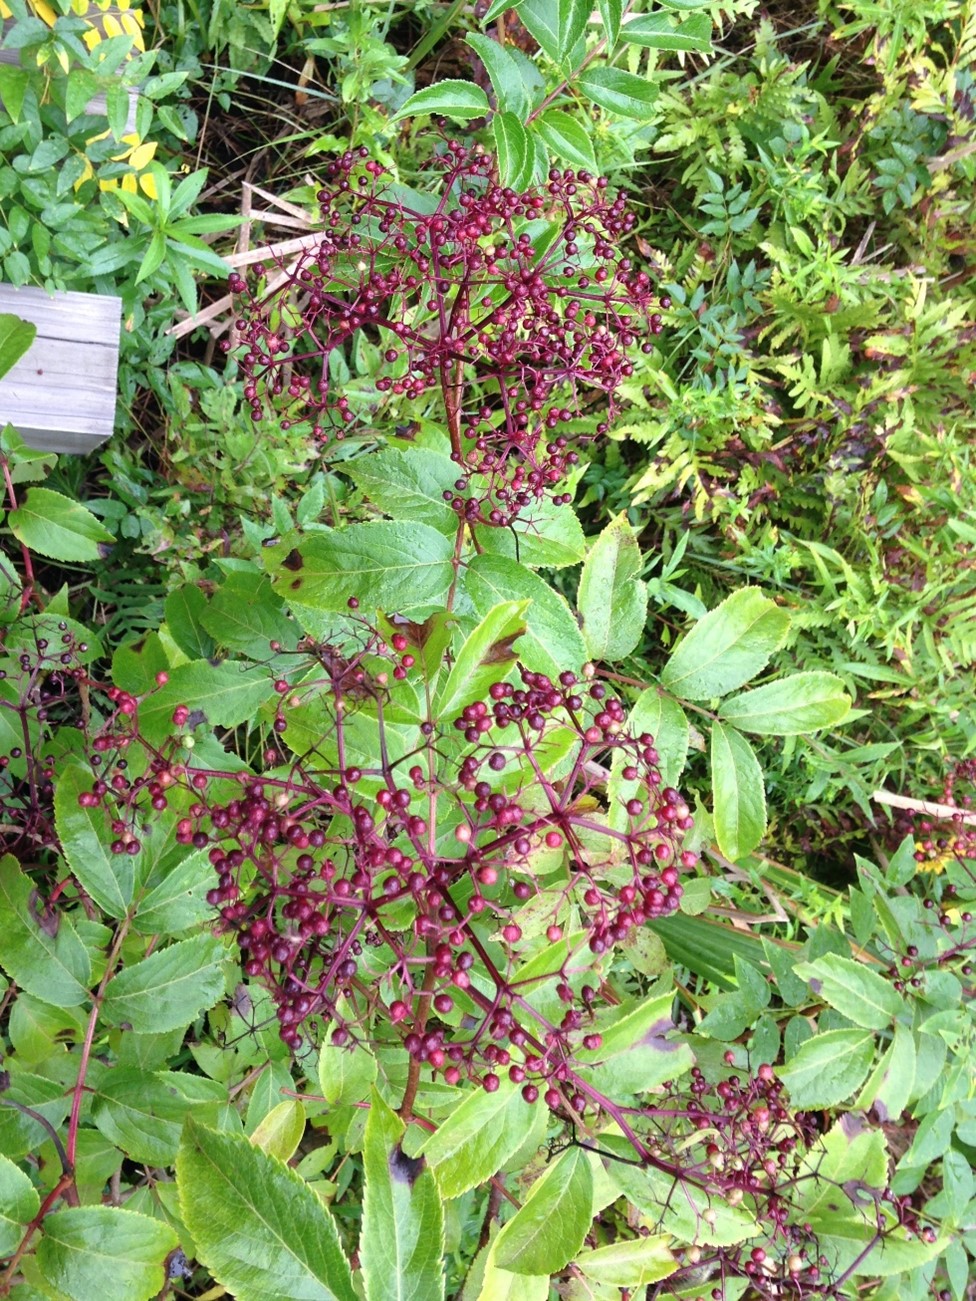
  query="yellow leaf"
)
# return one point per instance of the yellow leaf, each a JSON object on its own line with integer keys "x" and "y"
{"x": 148, "y": 183}
{"x": 45, "y": 13}
{"x": 141, "y": 155}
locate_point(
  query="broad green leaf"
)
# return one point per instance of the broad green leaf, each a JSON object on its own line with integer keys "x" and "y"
{"x": 49, "y": 960}
{"x": 136, "y": 664}
{"x": 16, "y": 337}
{"x": 402, "y": 1241}
{"x": 258, "y": 1227}
{"x": 552, "y": 640}
{"x": 408, "y": 485}
{"x": 828, "y": 1068}
{"x": 864, "y": 996}
{"x": 631, "y": 1264}
{"x": 20, "y": 1133}
{"x": 610, "y": 15}
{"x": 659, "y": 32}
{"x": 179, "y": 900}
{"x": 486, "y": 657}
{"x": 345, "y": 1073}
{"x": 19, "y": 1203}
{"x": 890, "y": 1085}
{"x": 280, "y": 1131}
{"x": 478, "y": 1138}
{"x": 511, "y": 93}
{"x": 168, "y": 989}
{"x": 544, "y": 1235}
{"x": 556, "y": 24}
{"x": 385, "y": 565}
{"x": 566, "y": 137}
{"x": 142, "y": 1112}
{"x": 619, "y": 92}
{"x": 727, "y": 646}
{"x": 218, "y": 695}
{"x": 516, "y": 158}
{"x": 544, "y": 536}
{"x": 636, "y": 1054}
{"x": 665, "y": 720}
{"x": 86, "y": 836}
{"x": 34, "y": 1027}
{"x": 184, "y": 611}
{"x": 245, "y": 614}
{"x": 612, "y": 599}
{"x": 462, "y": 101}
{"x": 96, "y": 1251}
{"x": 793, "y": 706}
{"x": 14, "y": 83}
{"x": 738, "y": 793}
{"x": 57, "y": 527}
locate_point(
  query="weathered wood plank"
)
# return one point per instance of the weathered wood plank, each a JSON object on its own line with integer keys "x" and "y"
{"x": 61, "y": 396}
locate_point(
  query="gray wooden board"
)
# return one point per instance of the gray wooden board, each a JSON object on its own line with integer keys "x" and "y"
{"x": 61, "y": 396}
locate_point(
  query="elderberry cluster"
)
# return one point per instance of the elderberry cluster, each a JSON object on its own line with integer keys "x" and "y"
{"x": 502, "y": 304}
{"x": 534, "y": 806}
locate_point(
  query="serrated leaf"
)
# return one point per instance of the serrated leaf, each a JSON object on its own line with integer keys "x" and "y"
{"x": 792, "y": 706}
{"x": 516, "y": 158}
{"x": 402, "y": 1241}
{"x": 184, "y": 610}
{"x": 57, "y": 527}
{"x": 220, "y": 695}
{"x": 91, "y": 1251}
{"x": 544, "y": 1235}
{"x": 633, "y": 1264}
{"x": 16, "y": 337}
{"x": 552, "y": 640}
{"x": 478, "y": 1138}
{"x": 664, "y": 719}
{"x": 611, "y": 12}
{"x": 738, "y": 793}
{"x": 385, "y": 565}
{"x": 86, "y": 836}
{"x": 727, "y": 646}
{"x": 511, "y": 93}
{"x": 566, "y": 137}
{"x": 258, "y": 1227}
{"x": 142, "y": 1112}
{"x": 828, "y": 1068}
{"x": 280, "y": 1131}
{"x": 864, "y": 996}
{"x": 890, "y": 1085}
{"x": 484, "y": 658}
{"x": 345, "y": 1073}
{"x": 408, "y": 485}
{"x": 659, "y": 32}
{"x": 19, "y": 1203}
{"x": 544, "y": 536}
{"x": 462, "y": 101}
{"x": 612, "y": 599}
{"x": 179, "y": 900}
{"x": 556, "y": 24}
{"x": 169, "y": 989}
{"x": 49, "y": 961}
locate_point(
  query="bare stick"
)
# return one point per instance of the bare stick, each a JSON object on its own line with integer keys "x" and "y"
{"x": 945, "y": 812}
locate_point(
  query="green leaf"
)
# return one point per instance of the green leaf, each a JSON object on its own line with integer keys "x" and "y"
{"x": 280, "y": 1131}
{"x": 727, "y": 646}
{"x": 516, "y": 158}
{"x": 828, "y": 1068}
{"x": 459, "y": 100}
{"x": 659, "y": 32}
{"x": 610, "y": 15}
{"x": 177, "y": 899}
{"x": 738, "y": 793}
{"x": 220, "y": 695}
{"x": 511, "y": 92}
{"x": 54, "y": 967}
{"x": 402, "y": 1241}
{"x": 184, "y": 610}
{"x": 632, "y": 1264}
{"x": 93, "y": 1251}
{"x": 246, "y": 615}
{"x": 56, "y": 527}
{"x": 862, "y": 995}
{"x": 793, "y": 706}
{"x": 169, "y": 989}
{"x": 484, "y": 658}
{"x": 612, "y": 600}
{"x": 385, "y": 565}
{"x": 665, "y": 720}
{"x": 566, "y": 137}
{"x": 142, "y": 1112}
{"x": 556, "y": 24}
{"x": 544, "y": 536}
{"x": 14, "y": 83}
{"x": 16, "y": 337}
{"x": 478, "y": 1138}
{"x": 544, "y": 1235}
{"x": 85, "y": 835}
{"x": 258, "y": 1227}
{"x": 408, "y": 485}
{"x": 552, "y": 640}
{"x": 19, "y": 1203}
{"x": 345, "y": 1073}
